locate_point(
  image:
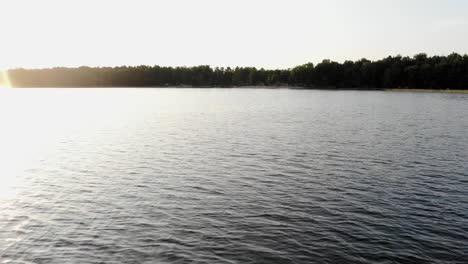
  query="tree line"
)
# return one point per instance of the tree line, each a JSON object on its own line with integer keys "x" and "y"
{"x": 419, "y": 71}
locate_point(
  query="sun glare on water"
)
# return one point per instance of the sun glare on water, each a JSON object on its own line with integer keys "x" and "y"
{"x": 4, "y": 80}
{"x": 40, "y": 127}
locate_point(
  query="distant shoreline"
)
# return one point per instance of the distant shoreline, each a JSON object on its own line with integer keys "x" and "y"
{"x": 269, "y": 87}
{"x": 446, "y": 72}
{"x": 408, "y": 90}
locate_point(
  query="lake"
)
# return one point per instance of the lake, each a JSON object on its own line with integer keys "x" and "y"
{"x": 232, "y": 176}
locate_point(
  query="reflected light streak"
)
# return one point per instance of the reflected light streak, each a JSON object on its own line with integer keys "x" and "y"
{"x": 4, "y": 80}
{"x": 40, "y": 126}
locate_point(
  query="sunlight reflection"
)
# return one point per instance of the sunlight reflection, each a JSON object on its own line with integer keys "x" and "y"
{"x": 41, "y": 126}
{"x": 4, "y": 80}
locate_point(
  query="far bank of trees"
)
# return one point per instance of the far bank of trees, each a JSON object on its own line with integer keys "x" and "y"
{"x": 419, "y": 71}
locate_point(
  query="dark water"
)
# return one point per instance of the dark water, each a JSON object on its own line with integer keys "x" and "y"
{"x": 233, "y": 176}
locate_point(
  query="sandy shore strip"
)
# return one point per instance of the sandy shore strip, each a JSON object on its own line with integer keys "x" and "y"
{"x": 427, "y": 90}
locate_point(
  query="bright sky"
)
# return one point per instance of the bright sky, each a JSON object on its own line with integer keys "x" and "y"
{"x": 262, "y": 33}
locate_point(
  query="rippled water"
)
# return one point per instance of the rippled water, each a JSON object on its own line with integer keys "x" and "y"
{"x": 233, "y": 176}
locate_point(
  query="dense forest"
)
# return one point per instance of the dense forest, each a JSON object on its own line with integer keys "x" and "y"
{"x": 420, "y": 71}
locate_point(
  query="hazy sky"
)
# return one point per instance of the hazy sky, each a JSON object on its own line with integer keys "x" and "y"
{"x": 258, "y": 33}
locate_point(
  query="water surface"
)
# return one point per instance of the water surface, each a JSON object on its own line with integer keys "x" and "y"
{"x": 232, "y": 176}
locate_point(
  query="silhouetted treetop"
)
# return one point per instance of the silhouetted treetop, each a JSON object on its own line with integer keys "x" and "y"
{"x": 419, "y": 71}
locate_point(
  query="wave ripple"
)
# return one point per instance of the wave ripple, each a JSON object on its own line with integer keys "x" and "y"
{"x": 244, "y": 176}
